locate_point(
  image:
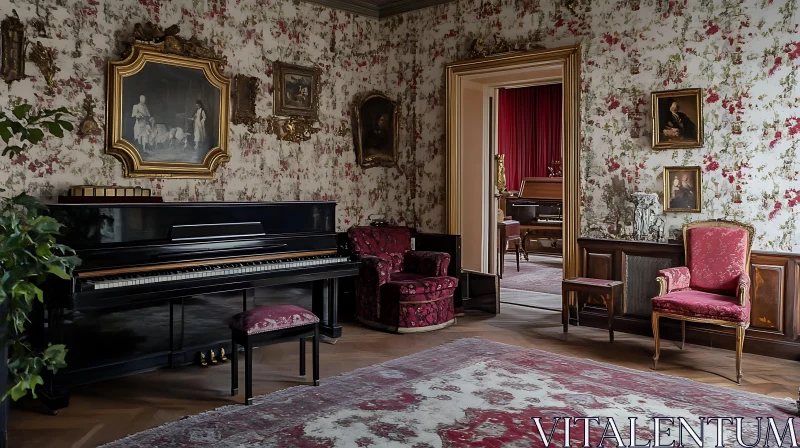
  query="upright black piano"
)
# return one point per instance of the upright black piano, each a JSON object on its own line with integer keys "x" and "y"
{"x": 158, "y": 282}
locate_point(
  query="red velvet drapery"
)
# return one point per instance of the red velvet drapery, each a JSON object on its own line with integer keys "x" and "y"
{"x": 529, "y": 131}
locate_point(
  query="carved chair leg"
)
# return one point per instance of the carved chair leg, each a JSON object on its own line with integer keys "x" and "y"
{"x": 683, "y": 334}
{"x": 655, "y": 339}
{"x": 739, "y": 347}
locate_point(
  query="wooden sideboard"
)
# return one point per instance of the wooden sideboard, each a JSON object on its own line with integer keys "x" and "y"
{"x": 775, "y": 294}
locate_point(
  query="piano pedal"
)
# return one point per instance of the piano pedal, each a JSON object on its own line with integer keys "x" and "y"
{"x": 213, "y": 357}
{"x": 222, "y": 356}
{"x": 203, "y": 360}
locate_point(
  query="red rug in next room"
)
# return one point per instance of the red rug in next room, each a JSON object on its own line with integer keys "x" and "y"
{"x": 469, "y": 393}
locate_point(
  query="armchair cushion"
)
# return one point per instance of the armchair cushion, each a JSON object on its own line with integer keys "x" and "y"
{"x": 390, "y": 243}
{"x": 429, "y": 263}
{"x": 409, "y": 287}
{"x": 703, "y": 305}
{"x": 677, "y": 278}
{"x": 716, "y": 256}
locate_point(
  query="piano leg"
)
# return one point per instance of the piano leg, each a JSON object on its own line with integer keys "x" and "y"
{"x": 329, "y": 325}
{"x": 55, "y": 399}
{"x": 333, "y": 309}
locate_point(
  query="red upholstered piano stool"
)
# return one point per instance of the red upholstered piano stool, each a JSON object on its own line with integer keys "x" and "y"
{"x": 271, "y": 318}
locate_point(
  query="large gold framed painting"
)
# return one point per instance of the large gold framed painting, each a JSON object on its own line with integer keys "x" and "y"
{"x": 168, "y": 113}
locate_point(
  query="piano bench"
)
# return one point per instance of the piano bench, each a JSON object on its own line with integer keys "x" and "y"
{"x": 271, "y": 325}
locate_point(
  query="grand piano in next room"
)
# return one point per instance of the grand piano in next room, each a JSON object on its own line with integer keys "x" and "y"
{"x": 158, "y": 282}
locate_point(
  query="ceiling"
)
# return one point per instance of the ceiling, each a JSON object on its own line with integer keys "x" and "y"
{"x": 378, "y": 8}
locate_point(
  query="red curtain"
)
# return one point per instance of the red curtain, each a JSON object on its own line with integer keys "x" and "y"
{"x": 529, "y": 131}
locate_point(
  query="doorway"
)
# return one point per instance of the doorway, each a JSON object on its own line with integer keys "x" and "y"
{"x": 526, "y": 143}
{"x": 473, "y": 88}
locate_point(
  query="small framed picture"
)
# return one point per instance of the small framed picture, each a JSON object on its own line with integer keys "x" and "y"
{"x": 682, "y": 189}
{"x": 376, "y": 123}
{"x": 296, "y": 90}
{"x": 677, "y": 119}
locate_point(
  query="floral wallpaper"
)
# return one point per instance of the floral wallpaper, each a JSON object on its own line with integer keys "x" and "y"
{"x": 743, "y": 54}
{"x": 250, "y": 34}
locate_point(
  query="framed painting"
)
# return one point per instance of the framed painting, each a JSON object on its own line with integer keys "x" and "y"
{"x": 376, "y": 125}
{"x": 682, "y": 189}
{"x": 12, "y": 49}
{"x": 296, "y": 90}
{"x": 245, "y": 92}
{"x": 677, "y": 119}
{"x": 167, "y": 113}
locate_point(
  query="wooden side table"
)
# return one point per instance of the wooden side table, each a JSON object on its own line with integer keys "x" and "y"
{"x": 508, "y": 232}
{"x": 609, "y": 290}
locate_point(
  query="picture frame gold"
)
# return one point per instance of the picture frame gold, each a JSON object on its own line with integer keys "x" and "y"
{"x": 296, "y": 90}
{"x": 677, "y": 119}
{"x": 683, "y": 189}
{"x": 245, "y": 93}
{"x": 177, "y": 55}
{"x": 12, "y": 48}
{"x": 376, "y": 141}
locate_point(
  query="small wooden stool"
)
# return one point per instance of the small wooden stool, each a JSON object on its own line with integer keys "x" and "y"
{"x": 271, "y": 325}
{"x": 607, "y": 289}
{"x": 508, "y": 232}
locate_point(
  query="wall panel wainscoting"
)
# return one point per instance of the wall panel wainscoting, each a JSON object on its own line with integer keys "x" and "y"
{"x": 775, "y": 294}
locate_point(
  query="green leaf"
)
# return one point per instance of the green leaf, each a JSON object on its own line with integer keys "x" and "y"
{"x": 5, "y": 133}
{"x": 17, "y": 391}
{"x": 43, "y": 250}
{"x": 22, "y": 110}
{"x": 54, "y": 128}
{"x": 35, "y": 135}
{"x": 65, "y": 124}
{"x": 56, "y": 270}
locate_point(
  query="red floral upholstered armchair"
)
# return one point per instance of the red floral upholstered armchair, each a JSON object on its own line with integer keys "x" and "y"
{"x": 713, "y": 287}
{"x": 398, "y": 289}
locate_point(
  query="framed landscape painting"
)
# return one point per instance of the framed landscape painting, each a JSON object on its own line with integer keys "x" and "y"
{"x": 168, "y": 114}
{"x": 677, "y": 119}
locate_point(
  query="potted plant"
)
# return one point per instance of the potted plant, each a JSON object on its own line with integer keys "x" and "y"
{"x": 29, "y": 254}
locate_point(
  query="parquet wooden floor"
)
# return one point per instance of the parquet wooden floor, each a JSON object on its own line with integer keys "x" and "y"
{"x": 106, "y": 411}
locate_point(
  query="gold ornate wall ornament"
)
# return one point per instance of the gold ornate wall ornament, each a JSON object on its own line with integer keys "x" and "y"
{"x": 45, "y": 59}
{"x": 169, "y": 42}
{"x": 176, "y": 126}
{"x": 88, "y": 125}
{"x": 245, "y": 92}
{"x": 501, "y": 173}
{"x": 12, "y": 45}
{"x": 292, "y": 129}
{"x": 483, "y": 47}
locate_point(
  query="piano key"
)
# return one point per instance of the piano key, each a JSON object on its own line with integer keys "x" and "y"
{"x": 136, "y": 279}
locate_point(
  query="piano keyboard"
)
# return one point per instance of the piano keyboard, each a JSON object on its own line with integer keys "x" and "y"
{"x": 145, "y": 278}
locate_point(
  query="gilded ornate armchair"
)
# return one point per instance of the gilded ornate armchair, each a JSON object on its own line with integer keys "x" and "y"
{"x": 399, "y": 289}
{"x": 713, "y": 287}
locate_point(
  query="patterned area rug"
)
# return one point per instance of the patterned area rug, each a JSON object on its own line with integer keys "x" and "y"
{"x": 539, "y": 274}
{"x": 468, "y": 393}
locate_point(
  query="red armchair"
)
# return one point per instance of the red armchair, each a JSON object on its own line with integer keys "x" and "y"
{"x": 398, "y": 289}
{"x": 713, "y": 287}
